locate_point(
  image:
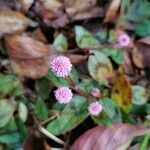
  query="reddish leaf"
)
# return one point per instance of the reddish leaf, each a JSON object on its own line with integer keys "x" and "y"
{"x": 108, "y": 138}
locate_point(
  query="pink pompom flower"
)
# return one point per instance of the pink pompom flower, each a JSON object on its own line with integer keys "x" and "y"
{"x": 95, "y": 108}
{"x": 96, "y": 92}
{"x": 124, "y": 40}
{"x": 61, "y": 66}
{"x": 63, "y": 95}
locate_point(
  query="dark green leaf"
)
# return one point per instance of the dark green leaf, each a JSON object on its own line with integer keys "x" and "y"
{"x": 43, "y": 87}
{"x": 115, "y": 54}
{"x": 40, "y": 110}
{"x": 143, "y": 28}
{"x": 73, "y": 114}
{"x": 84, "y": 38}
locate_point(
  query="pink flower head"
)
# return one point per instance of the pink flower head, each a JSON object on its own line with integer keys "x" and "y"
{"x": 61, "y": 66}
{"x": 95, "y": 108}
{"x": 124, "y": 40}
{"x": 96, "y": 92}
{"x": 63, "y": 95}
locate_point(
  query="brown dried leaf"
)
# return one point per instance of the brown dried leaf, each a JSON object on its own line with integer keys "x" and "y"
{"x": 28, "y": 57}
{"x": 12, "y": 21}
{"x": 51, "y": 13}
{"x": 24, "y": 5}
{"x": 35, "y": 143}
{"x": 38, "y": 35}
{"x": 117, "y": 137}
{"x": 78, "y": 6}
{"x": 141, "y": 53}
{"x": 112, "y": 11}
{"x": 77, "y": 59}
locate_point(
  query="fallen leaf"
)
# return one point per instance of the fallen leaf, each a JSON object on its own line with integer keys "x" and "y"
{"x": 141, "y": 53}
{"x": 12, "y": 21}
{"x": 78, "y": 6}
{"x": 33, "y": 142}
{"x": 38, "y": 35}
{"x": 51, "y": 13}
{"x": 116, "y": 137}
{"x": 76, "y": 59}
{"x": 112, "y": 11}
{"x": 24, "y": 5}
{"x": 99, "y": 66}
{"x": 28, "y": 57}
{"x": 121, "y": 91}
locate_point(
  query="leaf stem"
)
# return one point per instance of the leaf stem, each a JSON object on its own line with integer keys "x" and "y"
{"x": 51, "y": 136}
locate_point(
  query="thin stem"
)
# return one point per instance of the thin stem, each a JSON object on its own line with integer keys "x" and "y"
{"x": 51, "y": 136}
{"x": 48, "y": 120}
{"x": 79, "y": 91}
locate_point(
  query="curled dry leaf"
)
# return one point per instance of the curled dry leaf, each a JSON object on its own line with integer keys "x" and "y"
{"x": 78, "y": 10}
{"x": 117, "y": 137}
{"x": 12, "y": 21}
{"x": 28, "y": 57}
{"x": 141, "y": 53}
{"x": 112, "y": 11}
{"x": 121, "y": 91}
{"x": 51, "y": 13}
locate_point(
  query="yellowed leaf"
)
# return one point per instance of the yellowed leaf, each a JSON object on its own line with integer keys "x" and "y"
{"x": 121, "y": 91}
{"x": 12, "y": 21}
{"x": 99, "y": 66}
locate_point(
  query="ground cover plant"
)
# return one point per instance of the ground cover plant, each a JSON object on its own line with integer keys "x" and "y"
{"x": 75, "y": 75}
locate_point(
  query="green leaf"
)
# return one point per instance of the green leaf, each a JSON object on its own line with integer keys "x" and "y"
{"x": 9, "y": 85}
{"x": 112, "y": 110}
{"x": 143, "y": 28}
{"x": 139, "y": 11}
{"x": 99, "y": 66}
{"x": 115, "y": 54}
{"x": 139, "y": 96}
{"x": 60, "y": 43}
{"x": 112, "y": 36}
{"x": 6, "y": 112}
{"x": 84, "y": 38}
{"x": 10, "y": 138}
{"x": 56, "y": 81}
{"x": 73, "y": 114}
{"x": 43, "y": 87}
{"x": 103, "y": 119}
{"x": 40, "y": 110}
{"x": 22, "y": 111}
{"x": 11, "y": 126}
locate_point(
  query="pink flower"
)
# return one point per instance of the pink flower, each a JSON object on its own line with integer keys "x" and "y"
{"x": 96, "y": 92}
{"x": 61, "y": 66}
{"x": 124, "y": 40}
{"x": 63, "y": 95}
{"x": 95, "y": 108}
